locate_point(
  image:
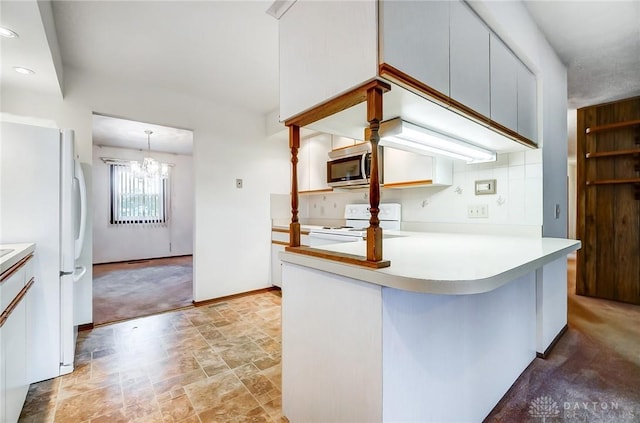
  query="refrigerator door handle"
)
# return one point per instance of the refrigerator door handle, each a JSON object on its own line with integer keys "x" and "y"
{"x": 79, "y": 175}
{"x": 79, "y": 273}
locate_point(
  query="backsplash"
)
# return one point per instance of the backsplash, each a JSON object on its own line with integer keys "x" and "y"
{"x": 517, "y": 201}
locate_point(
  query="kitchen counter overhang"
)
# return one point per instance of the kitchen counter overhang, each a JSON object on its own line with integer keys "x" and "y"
{"x": 445, "y": 263}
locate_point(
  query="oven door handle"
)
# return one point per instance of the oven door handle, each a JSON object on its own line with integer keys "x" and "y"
{"x": 334, "y": 237}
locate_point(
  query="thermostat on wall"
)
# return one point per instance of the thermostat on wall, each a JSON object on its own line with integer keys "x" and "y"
{"x": 487, "y": 186}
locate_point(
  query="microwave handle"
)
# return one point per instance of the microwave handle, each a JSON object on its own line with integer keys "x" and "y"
{"x": 363, "y": 165}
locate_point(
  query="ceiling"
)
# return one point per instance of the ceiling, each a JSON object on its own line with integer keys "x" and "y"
{"x": 228, "y": 50}
{"x": 123, "y": 133}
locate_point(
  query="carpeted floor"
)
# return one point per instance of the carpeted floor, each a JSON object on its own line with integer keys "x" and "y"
{"x": 127, "y": 290}
{"x": 592, "y": 374}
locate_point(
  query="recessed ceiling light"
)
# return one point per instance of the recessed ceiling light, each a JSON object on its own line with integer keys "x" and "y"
{"x": 7, "y": 33}
{"x": 24, "y": 71}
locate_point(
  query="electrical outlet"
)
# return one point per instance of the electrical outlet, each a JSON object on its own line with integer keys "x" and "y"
{"x": 238, "y": 183}
{"x": 478, "y": 211}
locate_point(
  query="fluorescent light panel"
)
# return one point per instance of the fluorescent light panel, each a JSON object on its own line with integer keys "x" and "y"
{"x": 399, "y": 133}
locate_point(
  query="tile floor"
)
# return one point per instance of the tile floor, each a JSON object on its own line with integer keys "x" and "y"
{"x": 216, "y": 363}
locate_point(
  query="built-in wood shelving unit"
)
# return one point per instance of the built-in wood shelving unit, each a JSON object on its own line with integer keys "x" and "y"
{"x": 615, "y": 181}
{"x": 612, "y": 126}
{"x": 613, "y": 153}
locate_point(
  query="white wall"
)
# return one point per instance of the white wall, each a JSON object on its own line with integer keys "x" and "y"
{"x": 113, "y": 243}
{"x": 232, "y": 226}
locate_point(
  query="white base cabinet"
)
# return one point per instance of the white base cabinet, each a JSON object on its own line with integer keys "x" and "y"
{"x": 13, "y": 341}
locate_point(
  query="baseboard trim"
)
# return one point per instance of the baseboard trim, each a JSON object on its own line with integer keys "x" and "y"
{"x": 142, "y": 260}
{"x": 553, "y": 343}
{"x": 233, "y": 296}
{"x": 86, "y": 326}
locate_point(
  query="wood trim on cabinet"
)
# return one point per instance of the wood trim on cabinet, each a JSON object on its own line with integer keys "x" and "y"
{"x": 389, "y": 72}
{"x": 340, "y": 257}
{"x": 280, "y": 243}
{"x": 614, "y": 181}
{"x": 86, "y": 326}
{"x": 284, "y": 231}
{"x": 233, "y": 296}
{"x": 14, "y": 303}
{"x": 338, "y": 104}
{"x": 315, "y": 191}
{"x": 13, "y": 269}
{"x": 408, "y": 184}
{"x": 406, "y": 81}
{"x": 612, "y": 153}
{"x": 294, "y": 145}
{"x": 612, "y": 126}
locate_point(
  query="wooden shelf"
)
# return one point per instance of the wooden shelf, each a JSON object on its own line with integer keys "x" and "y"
{"x": 614, "y": 181}
{"x": 612, "y": 153}
{"x": 612, "y": 126}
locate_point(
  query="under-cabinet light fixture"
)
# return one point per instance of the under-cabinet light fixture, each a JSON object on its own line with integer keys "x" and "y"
{"x": 23, "y": 70}
{"x": 407, "y": 136}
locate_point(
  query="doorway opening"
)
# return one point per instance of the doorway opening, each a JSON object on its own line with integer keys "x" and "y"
{"x": 142, "y": 219}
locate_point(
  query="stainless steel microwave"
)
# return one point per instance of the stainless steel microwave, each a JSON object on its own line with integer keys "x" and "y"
{"x": 350, "y": 167}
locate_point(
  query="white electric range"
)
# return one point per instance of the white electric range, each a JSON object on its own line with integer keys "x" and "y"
{"x": 356, "y": 223}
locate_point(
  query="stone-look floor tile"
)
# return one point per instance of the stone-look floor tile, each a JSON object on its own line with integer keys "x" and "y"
{"x": 214, "y": 390}
{"x": 177, "y": 409}
{"x": 270, "y": 346}
{"x": 274, "y": 374}
{"x": 89, "y": 405}
{"x": 258, "y": 385}
{"x": 273, "y": 407}
{"x": 191, "y": 419}
{"x": 43, "y": 417}
{"x": 170, "y": 367}
{"x": 267, "y": 362}
{"x": 242, "y": 354}
{"x": 138, "y": 393}
{"x": 84, "y": 386}
{"x": 230, "y": 409}
{"x": 178, "y": 382}
{"x": 257, "y": 415}
{"x": 246, "y": 370}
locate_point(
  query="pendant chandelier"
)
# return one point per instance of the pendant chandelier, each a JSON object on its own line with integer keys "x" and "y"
{"x": 150, "y": 167}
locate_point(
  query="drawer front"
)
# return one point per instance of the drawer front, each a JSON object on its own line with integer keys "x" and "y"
{"x": 11, "y": 287}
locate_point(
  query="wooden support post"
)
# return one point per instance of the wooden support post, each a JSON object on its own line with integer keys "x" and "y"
{"x": 374, "y": 231}
{"x": 294, "y": 145}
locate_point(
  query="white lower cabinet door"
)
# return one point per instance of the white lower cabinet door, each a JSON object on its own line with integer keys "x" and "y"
{"x": 14, "y": 361}
{"x": 276, "y": 265}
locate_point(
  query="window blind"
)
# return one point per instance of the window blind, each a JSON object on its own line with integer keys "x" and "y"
{"x": 136, "y": 199}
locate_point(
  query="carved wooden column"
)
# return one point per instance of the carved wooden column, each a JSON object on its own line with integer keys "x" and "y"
{"x": 374, "y": 231}
{"x": 294, "y": 145}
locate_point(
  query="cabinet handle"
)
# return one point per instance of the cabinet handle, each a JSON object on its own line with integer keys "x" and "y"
{"x": 14, "y": 303}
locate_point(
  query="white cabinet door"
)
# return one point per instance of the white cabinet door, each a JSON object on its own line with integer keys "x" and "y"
{"x": 504, "y": 85}
{"x": 14, "y": 343}
{"x": 406, "y": 169}
{"x": 319, "y": 147}
{"x": 527, "y": 104}
{"x": 276, "y": 265}
{"x": 469, "y": 50}
{"x": 326, "y": 48}
{"x": 304, "y": 165}
{"x": 415, "y": 40}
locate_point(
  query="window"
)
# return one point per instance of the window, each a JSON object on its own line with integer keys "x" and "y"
{"x": 137, "y": 200}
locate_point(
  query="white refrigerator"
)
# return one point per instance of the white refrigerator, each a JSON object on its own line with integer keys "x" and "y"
{"x": 43, "y": 200}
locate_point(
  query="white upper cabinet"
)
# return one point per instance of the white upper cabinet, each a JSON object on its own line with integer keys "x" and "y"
{"x": 326, "y": 48}
{"x": 404, "y": 169}
{"x": 469, "y": 61}
{"x": 504, "y": 85}
{"x": 415, "y": 40}
{"x": 319, "y": 147}
{"x": 527, "y": 104}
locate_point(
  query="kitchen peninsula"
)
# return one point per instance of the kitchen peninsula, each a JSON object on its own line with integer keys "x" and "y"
{"x": 440, "y": 335}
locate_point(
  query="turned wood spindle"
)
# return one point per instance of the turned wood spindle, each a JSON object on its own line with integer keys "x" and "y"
{"x": 294, "y": 145}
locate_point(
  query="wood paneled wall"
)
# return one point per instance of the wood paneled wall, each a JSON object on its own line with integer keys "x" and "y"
{"x": 608, "y": 156}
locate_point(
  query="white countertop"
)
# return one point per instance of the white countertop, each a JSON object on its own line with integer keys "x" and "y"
{"x": 445, "y": 263}
{"x": 17, "y": 253}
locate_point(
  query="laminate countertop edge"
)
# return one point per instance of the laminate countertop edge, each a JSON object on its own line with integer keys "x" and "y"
{"x": 19, "y": 252}
{"x": 445, "y": 264}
